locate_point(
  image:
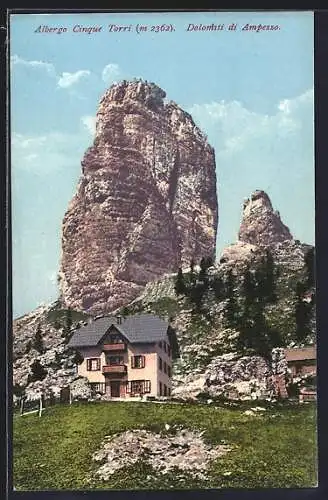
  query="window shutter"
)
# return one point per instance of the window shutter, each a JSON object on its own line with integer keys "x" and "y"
{"x": 98, "y": 364}
{"x": 147, "y": 385}
{"x": 132, "y": 362}
{"x": 88, "y": 365}
{"x": 143, "y": 361}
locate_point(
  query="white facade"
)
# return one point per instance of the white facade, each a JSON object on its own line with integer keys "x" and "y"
{"x": 127, "y": 370}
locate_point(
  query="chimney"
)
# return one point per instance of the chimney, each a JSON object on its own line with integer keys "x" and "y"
{"x": 119, "y": 320}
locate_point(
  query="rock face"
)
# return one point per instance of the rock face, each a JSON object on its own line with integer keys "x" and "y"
{"x": 145, "y": 204}
{"x": 229, "y": 375}
{"x": 80, "y": 389}
{"x": 212, "y": 361}
{"x": 261, "y": 225}
{"x": 207, "y": 334}
{"x": 56, "y": 359}
{"x": 183, "y": 449}
{"x": 243, "y": 377}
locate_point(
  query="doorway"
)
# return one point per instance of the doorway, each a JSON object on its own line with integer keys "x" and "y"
{"x": 115, "y": 388}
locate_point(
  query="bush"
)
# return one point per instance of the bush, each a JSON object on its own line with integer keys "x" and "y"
{"x": 37, "y": 342}
{"x": 18, "y": 390}
{"x": 293, "y": 390}
{"x": 78, "y": 358}
{"x": 38, "y": 372}
{"x": 28, "y": 347}
{"x": 125, "y": 311}
{"x": 179, "y": 286}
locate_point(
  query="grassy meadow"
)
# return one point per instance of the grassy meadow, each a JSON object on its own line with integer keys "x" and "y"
{"x": 275, "y": 448}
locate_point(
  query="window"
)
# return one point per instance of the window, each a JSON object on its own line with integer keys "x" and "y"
{"x": 115, "y": 360}
{"x": 165, "y": 390}
{"x": 93, "y": 364}
{"x": 298, "y": 368}
{"x": 115, "y": 339}
{"x": 169, "y": 351}
{"x": 138, "y": 387}
{"x": 160, "y": 389}
{"x": 160, "y": 363}
{"x": 169, "y": 371}
{"x": 97, "y": 387}
{"x": 138, "y": 362}
{"x": 165, "y": 367}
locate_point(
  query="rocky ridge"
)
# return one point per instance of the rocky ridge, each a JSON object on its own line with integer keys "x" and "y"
{"x": 145, "y": 204}
{"x": 205, "y": 339}
{"x": 209, "y": 360}
{"x": 57, "y": 361}
{"x": 261, "y": 225}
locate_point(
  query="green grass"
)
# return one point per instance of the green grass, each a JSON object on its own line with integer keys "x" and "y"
{"x": 59, "y": 315}
{"x": 165, "y": 306}
{"x": 54, "y": 452}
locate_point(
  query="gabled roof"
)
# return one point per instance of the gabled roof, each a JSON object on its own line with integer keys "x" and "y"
{"x": 301, "y": 353}
{"x": 140, "y": 328}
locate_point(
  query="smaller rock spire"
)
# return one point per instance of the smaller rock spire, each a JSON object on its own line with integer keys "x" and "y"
{"x": 260, "y": 224}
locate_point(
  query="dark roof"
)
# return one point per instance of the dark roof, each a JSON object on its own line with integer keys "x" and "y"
{"x": 140, "y": 328}
{"x": 301, "y": 353}
{"x": 90, "y": 334}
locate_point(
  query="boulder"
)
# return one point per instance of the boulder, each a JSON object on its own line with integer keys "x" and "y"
{"x": 238, "y": 377}
{"x": 80, "y": 389}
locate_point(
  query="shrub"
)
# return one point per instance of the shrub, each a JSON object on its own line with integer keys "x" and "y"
{"x": 179, "y": 285}
{"x": 37, "y": 342}
{"x": 18, "y": 390}
{"x": 38, "y": 372}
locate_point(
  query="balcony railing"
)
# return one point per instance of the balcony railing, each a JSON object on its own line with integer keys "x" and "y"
{"x": 114, "y": 369}
{"x": 114, "y": 347}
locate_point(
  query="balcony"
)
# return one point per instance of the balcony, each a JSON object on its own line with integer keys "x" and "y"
{"x": 117, "y": 369}
{"x": 114, "y": 347}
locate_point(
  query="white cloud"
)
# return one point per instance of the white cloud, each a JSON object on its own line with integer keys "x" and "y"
{"x": 89, "y": 123}
{"x": 65, "y": 81}
{"x": 233, "y": 127}
{"x": 48, "y": 67}
{"x": 48, "y": 152}
{"x": 260, "y": 151}
{"x": 26, "y": 142}
{"x": 111, "y": 73}
{"x": 68, "y": 79}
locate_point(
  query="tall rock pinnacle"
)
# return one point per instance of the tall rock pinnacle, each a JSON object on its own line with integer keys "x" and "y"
{"x": 145, "y": 204}
{"x": 261, "y": 225}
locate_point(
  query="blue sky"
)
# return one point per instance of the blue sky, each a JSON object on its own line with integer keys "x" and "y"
{"x": 250, "y": 92}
